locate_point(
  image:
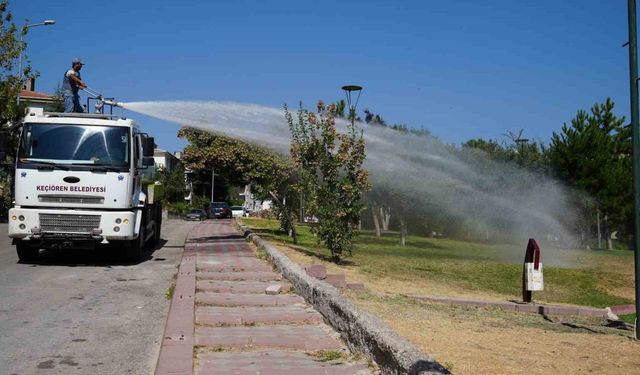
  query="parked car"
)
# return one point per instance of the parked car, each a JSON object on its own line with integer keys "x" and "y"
{"x": 220, "y": 210}
{"x": 196, "y": 214}
{"x": 238, "y": 211}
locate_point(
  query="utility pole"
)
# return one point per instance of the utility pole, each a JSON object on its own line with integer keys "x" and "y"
{"x": 633, "y": 83}
{"x": 213, "y": 180}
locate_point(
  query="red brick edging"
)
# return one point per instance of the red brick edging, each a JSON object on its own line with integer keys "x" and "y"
{"x": 176, "y": 352}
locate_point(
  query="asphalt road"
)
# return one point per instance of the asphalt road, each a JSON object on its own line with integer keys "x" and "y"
{"x": 85, "y": 312}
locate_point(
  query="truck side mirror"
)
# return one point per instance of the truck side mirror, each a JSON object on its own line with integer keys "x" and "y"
{"x": 148, "y": 161}
{"x": 148, "y": 145}
{"x": 4, "y": 145}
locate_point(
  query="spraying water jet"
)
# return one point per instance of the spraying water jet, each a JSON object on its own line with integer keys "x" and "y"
{"x": 464, "y": 184}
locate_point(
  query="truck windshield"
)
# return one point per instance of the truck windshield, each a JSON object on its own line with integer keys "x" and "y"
{"x": 75, "y": 144}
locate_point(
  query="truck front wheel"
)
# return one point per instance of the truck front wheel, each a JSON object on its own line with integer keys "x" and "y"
{"x": 26, "y": 253}
{"x": 134, "y": 249}
{"x": 157, "y": 235}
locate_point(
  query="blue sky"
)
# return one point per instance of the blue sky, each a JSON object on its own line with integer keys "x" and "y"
{"x": 461, "y": 69}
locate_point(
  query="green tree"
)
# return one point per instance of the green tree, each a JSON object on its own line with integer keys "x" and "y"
{"x": 340, "y": 106}
{"x": 10, "y": 86}
{"x": 198, "y": 201}
{"x": 330, "y": 165}
{"x": 58, "y": 100}
{"x": 492, "y": 148}
{"x": 241, "y": 163}
{"x": 238, "y": 162}
{"x": 530, "y": 155}
{"x": 593, "y": 153}
{"x": 173, "y": 183}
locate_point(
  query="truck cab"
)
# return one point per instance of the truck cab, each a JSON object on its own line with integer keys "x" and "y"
{"x": 79, "y": 183}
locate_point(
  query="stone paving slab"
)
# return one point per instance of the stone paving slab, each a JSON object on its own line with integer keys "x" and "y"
{"x": 217, "y": 266}
{"x": 250, "y": 315}
{"x": 300, "y": 337}
{"x": 228, "y": 286}
{"x": 537, "y": 308}
{"x": 241, "y": 299}
{"x": 271, "y": 363}
{"x": 227, "y": 249}
{"x": 623, "y": 309}
{"x": 240, "y": 276}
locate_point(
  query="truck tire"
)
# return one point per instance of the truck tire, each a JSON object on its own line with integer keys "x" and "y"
{"x": 157, "y": 234}
{"x": 26, "y": 253}
{"x": 134, "y": 249}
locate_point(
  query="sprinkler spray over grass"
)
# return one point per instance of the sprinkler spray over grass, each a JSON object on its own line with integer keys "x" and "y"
{"x": 500, "y": 201}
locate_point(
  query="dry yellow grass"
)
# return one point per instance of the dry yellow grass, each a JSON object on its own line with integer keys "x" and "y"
{"x": 479, "y": 340}
{"x": 483, "y": 341}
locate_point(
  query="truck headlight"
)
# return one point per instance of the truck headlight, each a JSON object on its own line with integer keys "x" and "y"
{"x": 22, "y": 226}
{"x": 21, "y": 218}
{"x": 14, "y": 218}
{"x": 118, "y": 221}
{"x": 116, "y": 229}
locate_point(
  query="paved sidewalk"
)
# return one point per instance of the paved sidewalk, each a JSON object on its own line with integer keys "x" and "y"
{"x": 222, "y": 321}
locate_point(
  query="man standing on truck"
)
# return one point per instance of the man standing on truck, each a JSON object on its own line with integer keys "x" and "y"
{"x": 71, "y": 84}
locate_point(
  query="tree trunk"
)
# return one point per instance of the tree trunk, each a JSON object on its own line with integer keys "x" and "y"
{"x": 385, "y": 215}
{"x": 376, "y": 220}
{"x": 403, "y": 231}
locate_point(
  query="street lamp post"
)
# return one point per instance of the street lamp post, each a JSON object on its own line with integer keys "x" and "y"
{"x": 635, "y": 136}
{"x": 213, "y": 181}
{"x": 348, "y": 90}
{"x": 25, "y": 28}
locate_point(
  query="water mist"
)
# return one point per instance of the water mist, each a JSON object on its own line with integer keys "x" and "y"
{"x": 500, "y": 200}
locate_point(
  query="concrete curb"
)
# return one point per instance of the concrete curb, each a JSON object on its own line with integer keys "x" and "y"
{"x": 363, "y": 332}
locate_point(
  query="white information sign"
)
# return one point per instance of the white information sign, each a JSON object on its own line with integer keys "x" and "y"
{"x": 535, "y": 280}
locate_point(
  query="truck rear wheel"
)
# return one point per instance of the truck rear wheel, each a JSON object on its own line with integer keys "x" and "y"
{"x": 26, "y": 253}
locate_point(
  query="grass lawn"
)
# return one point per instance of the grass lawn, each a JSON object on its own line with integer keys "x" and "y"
{"x": 629, "y": 318}
{"x": 581, "y": 277}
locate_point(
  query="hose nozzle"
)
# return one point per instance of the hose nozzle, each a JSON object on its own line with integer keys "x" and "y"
{"x": 113, "y": 103}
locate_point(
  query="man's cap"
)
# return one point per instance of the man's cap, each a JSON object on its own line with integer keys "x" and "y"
{"x": 77, "y": 61}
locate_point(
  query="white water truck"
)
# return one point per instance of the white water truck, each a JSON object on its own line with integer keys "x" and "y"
{"x": 79, "y": 184}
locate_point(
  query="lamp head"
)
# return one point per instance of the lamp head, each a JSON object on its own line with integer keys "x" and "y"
{"x": 348, "y": 89}
{"x": 49, "y": 22}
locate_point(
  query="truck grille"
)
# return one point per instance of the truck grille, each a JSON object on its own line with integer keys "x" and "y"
{"x": 69, "y": 223}
{"x": 70, "y": 199}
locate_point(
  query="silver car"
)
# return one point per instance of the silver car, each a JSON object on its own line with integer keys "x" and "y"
{"x": 196, "y": 214}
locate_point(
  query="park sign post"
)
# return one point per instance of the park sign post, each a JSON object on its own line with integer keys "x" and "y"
{"x": 635, "y": 134}
{"x": 532, "y": 277}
